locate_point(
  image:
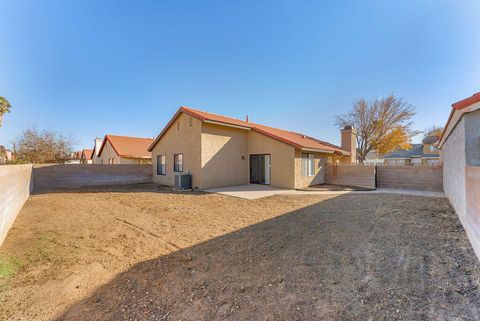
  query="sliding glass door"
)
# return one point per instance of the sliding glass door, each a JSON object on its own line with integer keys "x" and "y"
{"x": 260, "y": 169}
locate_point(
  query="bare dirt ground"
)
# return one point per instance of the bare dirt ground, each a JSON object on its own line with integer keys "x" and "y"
{"x": 146, "y": 253}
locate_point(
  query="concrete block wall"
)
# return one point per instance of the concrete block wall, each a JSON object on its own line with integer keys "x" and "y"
{"x": 410, "y": 177}
{"x": 351, "y": 175}
{"x": 48, "y": 177}
{"x": 471, "y": 220}
{"x": 16, "y": 184}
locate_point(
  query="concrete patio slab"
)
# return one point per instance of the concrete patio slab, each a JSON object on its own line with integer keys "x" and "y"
{"x": 254, "y": 191}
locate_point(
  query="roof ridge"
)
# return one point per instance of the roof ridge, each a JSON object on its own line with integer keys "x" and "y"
{"x": 111, "y": 135}
{"x": 218, "y": 115}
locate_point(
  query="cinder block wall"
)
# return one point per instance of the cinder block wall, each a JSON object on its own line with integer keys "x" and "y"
{"x": 351, "y": 175}
{"x": 48, "y": 177}
{"x": 410, "y": 177}
{"x": 471, "y": 220}
{"x": 16, "y": 184}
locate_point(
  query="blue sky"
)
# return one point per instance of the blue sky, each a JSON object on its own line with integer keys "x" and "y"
{"x": 87, "y": 68}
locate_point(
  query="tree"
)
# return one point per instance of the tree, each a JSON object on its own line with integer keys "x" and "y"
{"x": 383, "y": 125}
{"x": 43, "y": 147}
{"x": 433, "y": 131}
{"x": 4, "y": 108}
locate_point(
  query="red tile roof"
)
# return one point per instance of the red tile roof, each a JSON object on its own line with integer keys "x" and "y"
{"x": 87, "y": 153}
{"x": 125, "y": 146}
{"x": 292, "y": 138}
{"x": 458, "y": 106}
{"x": 475, "y": 98}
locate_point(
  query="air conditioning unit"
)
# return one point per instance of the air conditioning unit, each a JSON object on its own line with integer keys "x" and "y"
{"x": 183, "y": 181}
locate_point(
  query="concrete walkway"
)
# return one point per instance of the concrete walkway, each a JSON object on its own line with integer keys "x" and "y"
{"x": 253, "y": 191}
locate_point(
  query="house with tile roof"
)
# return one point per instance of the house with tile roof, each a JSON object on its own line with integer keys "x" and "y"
{"x": 86, "y": 157}
{"x": 222, "y": 151}
{"x": 124, "y": 150}
{"x": 425, "y": 153}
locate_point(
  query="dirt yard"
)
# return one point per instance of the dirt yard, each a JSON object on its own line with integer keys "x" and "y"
{"x": 147, "y": 253}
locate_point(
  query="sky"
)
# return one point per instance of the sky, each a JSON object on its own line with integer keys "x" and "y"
{"x": 89, "y": 68}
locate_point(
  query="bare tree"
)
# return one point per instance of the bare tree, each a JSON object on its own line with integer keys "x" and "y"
{"x": 43, "y": 147}
{"x": 433, "y": 131}
{"x": 382, "y": 125}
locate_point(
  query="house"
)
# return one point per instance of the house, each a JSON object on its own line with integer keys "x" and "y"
{"x": 373, "y": 158}
{"x": 460, "y": 146}
{"x": 86, "y": 157}
{"x": 425, "y": 153}
{"x": 223, "y": 151}
{"x": 6, "y": 155}
{"x": 96, "y": 150}
{"x": 125, "y": 150}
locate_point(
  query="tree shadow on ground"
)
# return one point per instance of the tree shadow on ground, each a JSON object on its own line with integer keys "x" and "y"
{"x": 352, "y": 257}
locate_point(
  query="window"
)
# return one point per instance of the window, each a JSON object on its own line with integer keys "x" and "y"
{"x": 178, "y": 163}
{"x": 190, "y": 120}
{"x": 432, "y": 148}
{"x": 161, "y": 166}
{"x": 308, "y": 164}
{"x": 178, "y": 125}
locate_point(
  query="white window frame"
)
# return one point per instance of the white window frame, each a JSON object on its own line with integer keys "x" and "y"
{"x": 178, "y": 162}
{"x": 161, "y": 164}
{"x": 308, "y": 164}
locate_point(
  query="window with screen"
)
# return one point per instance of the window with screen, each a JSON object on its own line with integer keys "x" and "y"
{"x": 308, "y": 164}
{"x": 161, "y": 165}
{"x": 178, "y": 162}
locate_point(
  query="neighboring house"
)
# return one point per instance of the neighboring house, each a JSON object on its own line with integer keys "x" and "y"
{"x": 75, "y": 158}
{"x": 460, "y": 145}
{"x": 373, "y": 158}
{"x": 6, "y": 155}
{"x": 222, "y": 151}
{"x": 125, "y": 150}
{"x": 96, "y": 150}
{"x": 86, "y": 157}
{"x": 425, "y": 153}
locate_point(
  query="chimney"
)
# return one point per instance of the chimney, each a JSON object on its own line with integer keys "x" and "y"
{"x": 349, "y": 142}
{"x": 246, "y": 119}
{"x": 98, "y": 144}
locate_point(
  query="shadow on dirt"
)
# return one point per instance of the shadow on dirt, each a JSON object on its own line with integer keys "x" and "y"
{"x": 353, "y": 257}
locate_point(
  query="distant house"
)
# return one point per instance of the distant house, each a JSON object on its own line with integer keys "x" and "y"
{"x": 373, "y": 158}
{"x": 425, "y": 153}
{"x": 96, "y": 150}
{"x": 6, "y": 155}
{"x": 222, "y": 151}
{"x": 125, "y": 150}
{"x": 86, "y": 157}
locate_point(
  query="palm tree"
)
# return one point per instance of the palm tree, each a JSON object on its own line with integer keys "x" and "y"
{"x": 4, "y": 108}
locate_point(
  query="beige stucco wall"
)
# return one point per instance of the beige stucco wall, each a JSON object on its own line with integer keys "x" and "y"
{"x": 16, "y": 184}
{"x": 282, "y": 158}
{"x": 186, "y": 140}
{"x": 302, "y": 181}
{"x": 107, "y": 153}
{"x": 224, "y": 156}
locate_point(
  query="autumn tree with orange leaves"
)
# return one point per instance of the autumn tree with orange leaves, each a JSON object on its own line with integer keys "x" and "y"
{"x": 382, "y": 125}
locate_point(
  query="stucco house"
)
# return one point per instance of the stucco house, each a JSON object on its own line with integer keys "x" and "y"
{"x": 86, "y": 157}
{"x": 460, "y": 145}
{"x": 222, "y": 151}
{"x": 426, "y": 154}
{"x": 125, "y": 150}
